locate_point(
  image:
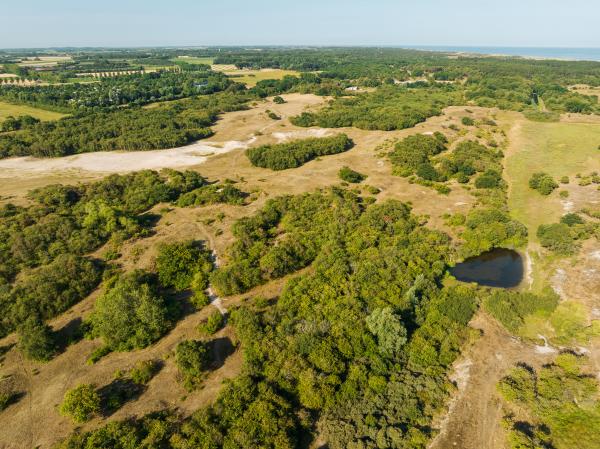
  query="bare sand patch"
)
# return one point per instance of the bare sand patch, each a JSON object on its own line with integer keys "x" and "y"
{"x": 121, "y": 162}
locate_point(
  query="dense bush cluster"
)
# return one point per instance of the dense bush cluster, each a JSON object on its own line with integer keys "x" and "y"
{"x": 470, "y": 157}
{"x": 488, "y": 228}
{"x": 349, "y": 347}
{"x": 298, "y": 152}
{"x": 185, "y": 265}
{"x": 43, "y": 268}
{"x": 16, "y": 123}
{"x": 132, "y": 314}
{"x": 213, "y": 194}
{"x": 165, "y": 126}
{"x": 192, "y": 359}
{"x": 388, "y": 108}
{"x": 413, "y": 154}
{"x": 81, "y": 403}
{"x": 543, "y": 183}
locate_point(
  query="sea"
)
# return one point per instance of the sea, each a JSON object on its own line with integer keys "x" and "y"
{"x": 564, "y": 53}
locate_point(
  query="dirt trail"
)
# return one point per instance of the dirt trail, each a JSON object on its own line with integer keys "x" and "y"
{"x": 474, "y": 420}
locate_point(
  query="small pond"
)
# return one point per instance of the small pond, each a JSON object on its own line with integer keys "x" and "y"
{"x": 499, "y": 267}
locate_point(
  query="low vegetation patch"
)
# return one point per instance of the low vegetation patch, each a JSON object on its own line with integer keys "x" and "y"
{"x": 560, "y": 401}
{"x": 512, "y": 308}
{"x": 294, "y": 154}
{"x": 348, "y": 175}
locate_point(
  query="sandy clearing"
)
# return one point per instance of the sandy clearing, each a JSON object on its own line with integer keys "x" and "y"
{"x": 318, "y": 132}
{"x": 120, "y": 162}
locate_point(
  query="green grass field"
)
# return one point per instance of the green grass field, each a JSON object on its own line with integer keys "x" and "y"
{"x": 7, "y": 109}
{"x": 194, "y": 60}
{"x": 558, "y": 149}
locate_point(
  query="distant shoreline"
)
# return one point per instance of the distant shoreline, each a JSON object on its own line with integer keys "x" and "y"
{"x": 534, "y": 53}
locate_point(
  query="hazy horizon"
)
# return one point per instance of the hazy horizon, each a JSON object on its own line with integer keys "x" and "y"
{"x": 184, "y": 23}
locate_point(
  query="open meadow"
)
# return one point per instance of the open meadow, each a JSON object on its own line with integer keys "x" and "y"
{"x": 8, "y": 109}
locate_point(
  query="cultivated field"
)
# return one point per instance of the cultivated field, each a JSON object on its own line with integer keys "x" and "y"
{"x": 7, "y": 109}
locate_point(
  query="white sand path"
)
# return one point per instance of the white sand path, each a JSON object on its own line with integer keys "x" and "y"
{"x": 121, "y": 161}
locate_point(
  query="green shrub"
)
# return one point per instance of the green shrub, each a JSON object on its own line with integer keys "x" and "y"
{"x": 81, "y": 403}
{"x": 215, "y": 322}
{"x": 192, "y": 359}
{"x": 278, "y": 100}
{"x": 36, "y": 340}
{"x": 178, "y": 263}
{"x": 543, "y": 183}
{"x": 144, "y": 371}
{"x": 349, "y": 175}
{"x": 212, "y": 194}
{"x": 373, "y": 190}
{"x": 413, "y": 151}
{"x": 490, "y": 179}
{"x": 572, "y": 219}
{"x": 557, "y": 237}
{"x": 564, "y": 180}
{"x": 564, "y": 194}
{"x": 294, "y": 154}
{"x": 467, "y": 121}
{"x": 428, "y": 172}
{"x": 541, "y": 116}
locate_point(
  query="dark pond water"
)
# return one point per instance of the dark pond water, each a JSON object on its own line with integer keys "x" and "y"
{"x": 497, "y": 268}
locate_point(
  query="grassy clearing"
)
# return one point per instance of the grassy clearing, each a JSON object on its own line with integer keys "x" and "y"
{"x": 567, "y": 325}
{"x": 7, "y": 109}
{"x": 194, "y": 60}
{"x": 558, "y": 149}
{"x": 251, "y": 77}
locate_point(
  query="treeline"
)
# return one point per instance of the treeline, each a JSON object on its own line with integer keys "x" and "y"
{"x": 298, "y": 152}
{"x": 165, "y": 126}
{"x": 348, "y": 348}
{"x": 387, "y": 108}
{"x": 43, "y": 264}
{"x": 109, "y": 93}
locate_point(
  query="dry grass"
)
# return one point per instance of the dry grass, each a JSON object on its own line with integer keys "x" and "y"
{"x": 474, "y": 422}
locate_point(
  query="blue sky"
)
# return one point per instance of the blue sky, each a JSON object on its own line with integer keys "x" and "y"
{"x": 44, "y": 23}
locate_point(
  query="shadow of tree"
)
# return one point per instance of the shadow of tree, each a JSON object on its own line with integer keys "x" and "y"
{"x": 117, "y": 393}
{"x": 219, "y": 349}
